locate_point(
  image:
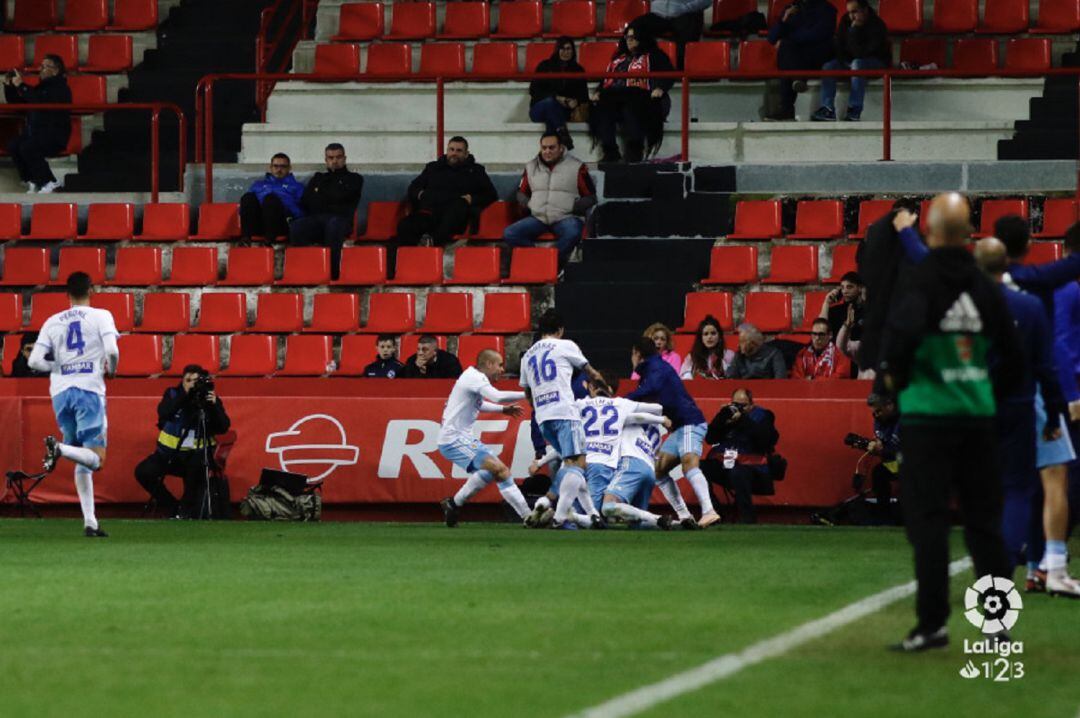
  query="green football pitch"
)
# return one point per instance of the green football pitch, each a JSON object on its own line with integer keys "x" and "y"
{"x": 354, "y": 619}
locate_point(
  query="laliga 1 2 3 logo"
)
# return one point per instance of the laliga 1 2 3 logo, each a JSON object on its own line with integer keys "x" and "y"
{"x": 992, "y": 604}
{"x": 314, "y": 446}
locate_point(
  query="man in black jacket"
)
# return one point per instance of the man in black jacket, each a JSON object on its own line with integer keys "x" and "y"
{"x": 430, "y": 362}
{"x": 803, "y": 38}
{"x": 742, "y": 435}
{"x": 330, "y": 199}
{"x": 46, "y": 132}
{"x": 179, "y": 451}
{"x": 862, "y": 43}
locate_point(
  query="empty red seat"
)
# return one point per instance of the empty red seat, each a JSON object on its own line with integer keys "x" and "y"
{"x": 994, "y": 209}
{"x": 66, "y": 46}
{"x": 595, "y": 56}
{"x": 793, "y": 265}
{"x": 843, "y": 261}
{"x": 81, "y": 259}
{"x": 249, "y": 267}
{"x": 193, "y": 267}
{"x": 84, "y": 15}
{"x": 218, "y": 221}
{"x": 279, "y": 313}
{"x": 12, "y": 51}
{"x": 252, "y": 355}
{"x": 201, "y": 349}
{"x": 25, "y": 267}
{"x": 412, "y": 20}
{"x": 335, "y": 313}
{"x": 493, "y": 58}
{"x": 137, "y": 267}
{"x": 109, "y": 53}
{"x": 903, "y": 16}
{"x": 922, "y": 51}
{"x": 975, "y": 54}
{"x": 445, "y": 57}
{"x": 360, "y": 21}
{"x": 475, "y": 265}
{"x": 1004, "y": 17}
{"x": 307, "y": 355}
{"x": 334, "y": 60}
{"x": 140, "y": 355}
{"x": 1042, "y": 252}
{"x": 362, "y": 266}
{"x": 166, "y": 312}
{"x": 756, "y": 56}
{"x": 120, "y": 304}
{"x": 506, "y": 313}
{"x": 818, "y": 219}
{"x": 10, "y": 219}
{"x": 725, "y": 10}
{"x": 305, "y": 267}
{"x": 495, "y": 218}
{"x": 573, "y": 18}
{"x": 109, "y": 221}
{"x": 520, "y": 19}
{"x": 33, "y": 15}
{"x": 537, "y": 51}
{"x": 53, "y": 221}
{"x": 389, "y": 58}
{"x": 732, "y": 265}
{"x": 1058, "y": 216}
{"x": 870, "y": 211}
{"x": 757, "y": 219}
{"x": 1058, "y": 17}
{"x": 1027, "y": 53}
{"x": 11, "y": 312}
{"x": 165, "y": 222}
{"x": 357, "y": 351}
{"x": 448, "y": 313}
{"x": 87, "y": 90}
{"x": 704, "y": 304}
{"x": 812, "y": 303}
{"x": 418, "y": 266}
{"x": 768, "y": 311}
{"x": 533, "y": 265}
{"x": 44, "y": 305}
{"x": 466, "y": 21}
{"x": 131, "y": 15}
{"x": 470, "y": 345}
{"x": 619, "y": 13}
{"x": 382, "y": 220}
{"x": 391, "y": 313}
{"x": 221, "y": 313}
{"x": 712, "y": 56}
{"x": 955, "y": 16}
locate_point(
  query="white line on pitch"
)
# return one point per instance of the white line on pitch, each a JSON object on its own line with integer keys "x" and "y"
{"x": 729, "y": 664}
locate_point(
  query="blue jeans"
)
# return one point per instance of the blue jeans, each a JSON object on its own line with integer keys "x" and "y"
{"x": 524, "y": 232}
{"x": 550, "y": 112}
{"x": 858, "y": 84}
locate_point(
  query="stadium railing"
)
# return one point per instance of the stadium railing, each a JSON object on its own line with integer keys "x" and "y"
{"x": 277, "y": 38}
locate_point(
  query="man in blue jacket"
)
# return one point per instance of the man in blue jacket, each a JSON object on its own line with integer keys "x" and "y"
{"x": 272, "y": 202}
{"x": 804, "y": 41}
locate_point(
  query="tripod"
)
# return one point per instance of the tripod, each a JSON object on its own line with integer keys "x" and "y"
{"x": 202, "y": 441}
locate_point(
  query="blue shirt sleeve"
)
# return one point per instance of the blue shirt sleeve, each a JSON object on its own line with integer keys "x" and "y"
{"x": 1050, "y": 275}
{"x": 1067, "y": 338}
{"x": 913, "y": 245}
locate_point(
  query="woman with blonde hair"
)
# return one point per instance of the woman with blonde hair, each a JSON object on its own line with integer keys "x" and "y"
{"x": 664, "y": 339}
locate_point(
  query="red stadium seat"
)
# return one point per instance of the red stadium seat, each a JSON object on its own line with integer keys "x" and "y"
{"x": 409, "y": 343}
{"x": 448, "y": 313}
{"x": 1057, "y": 17}
{"x": 843, "y": 261}
{"x": 470, "y": 345}
{"x": 109, "y": 53}
{"x": 793, "y": 265}
{"x": 360, "y": 21}
{"x": 252, "y": 355}
{"x": 81, "y": 259}
{"x": 411, "y": 20}
{"x": 521, "y": 19}
{"x": 12, "y": 51}
{"x": 120, "y": 304}
{"x": 221, "y": 313}
{"x": 595, "y": 56}
{"x": 11, "y": 312}
{"x": 573, "y": 18}
{"x": 218, "y": 221}
{"x": 466, "y": 21}
{"x": 166, "y": 313}
{"x": 870, "y": 211}
{"x": 812, "y": 303}
{"x": 391, "y": 313}
{"x": 382, "y": 220}
{"x": 33, "y": 15}
{"x": 389, "y": 58}
{"x": 445, "y": 57}
{"x": 756, "y": 56}
{"x": 129, "y": 15}
{"x": 703, "y": 304}
{"x": 921, "y": 51}
{"x": 193, "y": 267}
{"x": 819, "y": 219}
{"x": 335, "y": 313}
{"x": 903, "y": 16}
{"x": 732, "y": 265}
{"x": 537, "y": 51}
{"x": 357, "y": 351}
{"x": 975, "y": 54}
{"x": 776, "y": 11}
{"x": 201, "y": 349}
{"x": 994, "y": 209}
{"x": 1058, "y": 216}
{"x": 495, "y": 218}
{"x": 668, "y": 48}
{"x": 307, "y": 355}
{"x": 1027, "y": 53}
{"x": 279, "y": 313}
{"x": 25, "y": 267}
{"x": 53, "y": 221}
{"x": 725, "y": 10}
{"x": 140, "y": 355}
{"x": 1004, "y": 17}
{"x": 343, "y": 59}
{"x": 757, "y": 219}
{"x": 249, "y": 267}
{"x": 619, "y": 13}
{"x": 66, "y": 46}
{"x": 1042, "y": 252}
{"x": 768, "y": 311}
{"x": 476, "y": 266}
{"x": 305, "y": 267}
{"x": 109, "y": 221}
{"x": 84, "y": 16}
{"x": 955, "y": 16}
{"x": 506, "y": 314}
{"x": 712, "y": 56}
{"x": 137, "y": 267}
{"x": 362, "y": 266}
{"x": 493, "y": 58}
{"x": 418, "y": 266}
{"x": 10, "y": 219}
{"x": 166, "y": 222}
{"x": 44, "y": 305}
{"x": 87, "y": 89}
{"x": 533, "y": 265}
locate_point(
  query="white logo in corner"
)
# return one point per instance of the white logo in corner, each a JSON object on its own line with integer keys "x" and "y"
{"x": 992, "y": 604}
{"x": 313, "y": 444}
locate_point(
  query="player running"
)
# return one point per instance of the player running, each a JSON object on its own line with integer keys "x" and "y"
{"x": 472, "y": 394}
{"x": 78, "y": 349}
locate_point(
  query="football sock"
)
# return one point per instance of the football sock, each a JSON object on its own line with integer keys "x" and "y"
{"x": 82, "y": 456}
{"x": 701, "y": 490}
{"x": 671, "y": 492}
{"x": 513, "y": 496}
{"x": 1055, "y": 557}
{"x": 581, "y": 520}
{"x": 84, "y": 484}
{"x": 573, "y": 483}
{"x": 585, "y": 499}
{"x": 472, "y": 487}
{"x": 630, "y": 514}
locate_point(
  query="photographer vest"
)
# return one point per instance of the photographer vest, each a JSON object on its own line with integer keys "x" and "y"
{"x": 554, "y": 189}
{"x": 179, "y": 433}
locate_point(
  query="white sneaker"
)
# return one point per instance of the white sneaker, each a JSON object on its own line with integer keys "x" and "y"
{"x": 31, "y": 188}
{"x": 51, "y": 187}
{"x": 1062, "y": 585}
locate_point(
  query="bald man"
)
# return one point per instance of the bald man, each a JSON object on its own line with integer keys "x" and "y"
{"x": 935, "y": 358}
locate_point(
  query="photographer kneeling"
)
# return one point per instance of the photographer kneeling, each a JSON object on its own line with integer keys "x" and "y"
{"x": 886, "y": 446}
{"x": 180, "y": 448}
{"x": 742, "y": 436}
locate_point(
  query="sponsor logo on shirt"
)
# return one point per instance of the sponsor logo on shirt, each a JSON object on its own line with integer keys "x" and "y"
{"x": 551, "y": 397}
{"x": 597, "y": 447}
{"x": 645, "y": 445}
{"x": 79, "y": 367}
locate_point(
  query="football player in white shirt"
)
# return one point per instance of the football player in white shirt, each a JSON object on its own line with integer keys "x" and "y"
{"x": 638, "y": 445}
{"x": 78, "y": 349}
{"x": 473, "y": 393}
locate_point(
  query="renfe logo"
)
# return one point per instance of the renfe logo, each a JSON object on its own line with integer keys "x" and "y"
{"x": 316, "y": 442}
{"x": 417, "y": 442}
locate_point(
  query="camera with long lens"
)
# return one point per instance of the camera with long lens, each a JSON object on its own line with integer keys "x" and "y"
{"x": 857, "y": 442}
{"x": 200, "y": 391}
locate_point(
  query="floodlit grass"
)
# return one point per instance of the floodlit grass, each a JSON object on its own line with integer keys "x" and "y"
{"x": 247, "y": 619}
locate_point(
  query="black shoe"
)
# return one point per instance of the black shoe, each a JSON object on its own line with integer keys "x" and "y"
{"x": 664, "y": 523}
{"x": 689, "y": 524}
{"x": 94, "y": 533}
{"x": 450, "y": 512}
{"x": 598, "y": 522}
{"x": 52, "y": 454}
{"x": 917, "y": 641}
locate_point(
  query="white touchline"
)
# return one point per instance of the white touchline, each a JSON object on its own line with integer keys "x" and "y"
{"x": 729, "y": 664}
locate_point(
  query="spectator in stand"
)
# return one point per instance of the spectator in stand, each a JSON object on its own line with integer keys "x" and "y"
{"x": 557, "y": 191}
{"x": 554, "y": 101}
{"x": 756, "y": 359}
{"x": 851, "y": 348}
{"x": 708, "y": 357}
{"x": 330, "y": 201}
{"x": 804, "y": 41}
{"x": 386, "y": 364}
{"x": 636, "y": 107}
{"x": 430, "y": 362}
{"x": 20, "y": 368}
{"x": 46, "y": 132}
{"x": 862, "y": 43}
{"x": 664, "y": 339}
{"x": 682, "y": 20}
{"x": 272, "y": 202}
{"x": 821, "y": 359}
{"x": 834, "y": 309}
